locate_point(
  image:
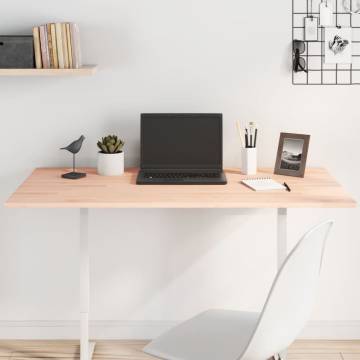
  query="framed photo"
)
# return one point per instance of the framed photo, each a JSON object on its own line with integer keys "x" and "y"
{"x": 292, "y": 154}
{"x": 337, "y": 45}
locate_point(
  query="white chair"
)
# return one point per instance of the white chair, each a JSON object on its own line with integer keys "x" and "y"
{"x": 235, "y": 335}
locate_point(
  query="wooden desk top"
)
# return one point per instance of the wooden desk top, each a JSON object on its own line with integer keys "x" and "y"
{"x": 45, "y": 188}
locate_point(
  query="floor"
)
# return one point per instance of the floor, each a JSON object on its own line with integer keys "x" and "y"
{"x": 131, "y": 350}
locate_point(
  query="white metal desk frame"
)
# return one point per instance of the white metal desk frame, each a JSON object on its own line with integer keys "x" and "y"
{"x": 86, "y": 347}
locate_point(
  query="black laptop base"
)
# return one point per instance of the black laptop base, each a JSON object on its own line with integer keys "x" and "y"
{"x": 181, "y": 177}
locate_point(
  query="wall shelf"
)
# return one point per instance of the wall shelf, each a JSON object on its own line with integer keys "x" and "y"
{"x": 86, "y": 70}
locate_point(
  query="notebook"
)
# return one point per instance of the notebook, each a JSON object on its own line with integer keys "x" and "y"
{"x": 263, "y": 184}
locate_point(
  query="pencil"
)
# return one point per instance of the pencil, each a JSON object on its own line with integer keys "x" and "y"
{"x": 240, "y": 133}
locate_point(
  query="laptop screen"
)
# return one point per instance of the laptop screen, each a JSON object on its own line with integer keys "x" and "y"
{"x": 181, "y": 141}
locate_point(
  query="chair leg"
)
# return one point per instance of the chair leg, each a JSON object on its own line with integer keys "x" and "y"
{"x": 280, "y": 356}
{"x": 283, "y": 355}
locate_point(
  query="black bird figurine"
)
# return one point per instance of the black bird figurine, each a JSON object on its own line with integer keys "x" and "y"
{"x": 74, "y": 148}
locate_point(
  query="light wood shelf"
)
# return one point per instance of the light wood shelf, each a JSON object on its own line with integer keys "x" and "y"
{"x": 85, "y": 70}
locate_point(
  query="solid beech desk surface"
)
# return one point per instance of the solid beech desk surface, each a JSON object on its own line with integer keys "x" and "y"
{"x": 45, "y": 188}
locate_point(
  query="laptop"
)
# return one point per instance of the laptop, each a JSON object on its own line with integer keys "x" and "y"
{"x": 184, "y": 149}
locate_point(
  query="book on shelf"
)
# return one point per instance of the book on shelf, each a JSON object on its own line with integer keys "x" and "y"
{"x": 50, "y": 45}
{"x": 75, "y": 43}
{"x": 65, "y": 46}
{"x": 57, "y": 46}
{"x": 37, "y": 48}
{"x": 54, "y": 46}
{"x": 68, "y": 37}
{"x": 45, "y": 56}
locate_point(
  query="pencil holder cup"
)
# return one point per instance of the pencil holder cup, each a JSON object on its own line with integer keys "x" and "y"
{"x": 249, "y": 161}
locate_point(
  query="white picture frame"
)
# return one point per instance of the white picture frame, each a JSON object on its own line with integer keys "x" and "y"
{"x": 338, "y": 45}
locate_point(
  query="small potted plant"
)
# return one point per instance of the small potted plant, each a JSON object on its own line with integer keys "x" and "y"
{"x": 110, "y": 156}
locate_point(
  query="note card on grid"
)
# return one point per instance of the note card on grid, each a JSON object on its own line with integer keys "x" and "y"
{"x": 263, "y": 184}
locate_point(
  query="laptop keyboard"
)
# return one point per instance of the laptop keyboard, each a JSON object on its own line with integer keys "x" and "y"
{"x": 181, "y": 175}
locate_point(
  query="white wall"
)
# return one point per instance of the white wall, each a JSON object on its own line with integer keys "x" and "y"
{"x": 166, "y": 265}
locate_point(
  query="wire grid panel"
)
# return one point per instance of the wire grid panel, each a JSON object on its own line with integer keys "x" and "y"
{"x": 320, "y": 73}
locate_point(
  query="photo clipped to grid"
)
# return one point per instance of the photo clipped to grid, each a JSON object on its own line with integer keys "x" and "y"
{"x": 326, "y": 42}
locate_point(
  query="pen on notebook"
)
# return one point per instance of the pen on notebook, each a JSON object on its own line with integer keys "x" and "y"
{"x": 287, "y": 187}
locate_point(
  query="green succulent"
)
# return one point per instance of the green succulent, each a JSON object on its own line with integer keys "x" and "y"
{"x": 110, "y": 144}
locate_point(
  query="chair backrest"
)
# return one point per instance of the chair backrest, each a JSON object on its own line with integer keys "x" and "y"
{"x": 291, "y": 297}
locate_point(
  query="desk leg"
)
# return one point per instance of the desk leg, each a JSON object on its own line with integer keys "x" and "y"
{"x": 86, "y": 348}
{"x": 281, "y": 250}
{"x": 281, "y": 236}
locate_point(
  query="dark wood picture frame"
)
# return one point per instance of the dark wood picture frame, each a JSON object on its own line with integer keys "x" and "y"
{"x": 299, "y": 169}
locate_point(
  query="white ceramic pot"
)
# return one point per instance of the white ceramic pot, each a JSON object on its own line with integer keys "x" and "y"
{"x": 110, "y": 164}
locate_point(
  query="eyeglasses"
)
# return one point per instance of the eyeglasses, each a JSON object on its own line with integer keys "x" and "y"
{"x": 299, "y": 63}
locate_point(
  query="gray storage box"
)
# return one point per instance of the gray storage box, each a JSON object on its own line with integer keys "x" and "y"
{"x": 17, "y": 52}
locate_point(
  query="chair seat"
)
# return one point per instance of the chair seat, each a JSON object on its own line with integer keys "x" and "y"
{"x": 212, "y": 335}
